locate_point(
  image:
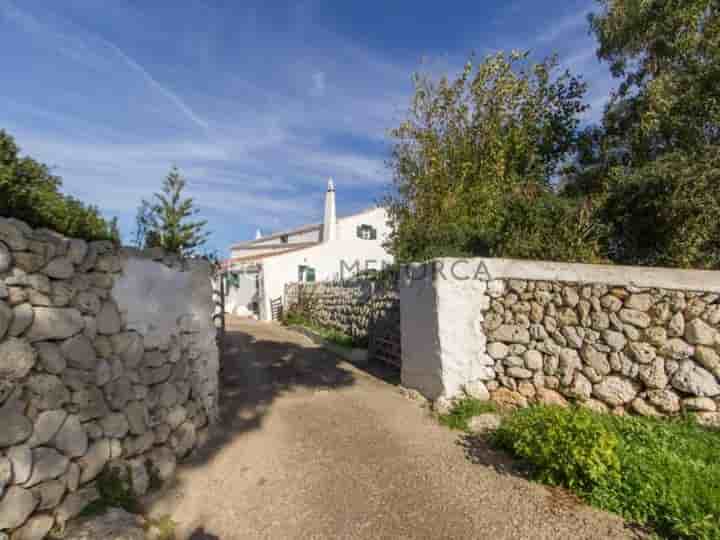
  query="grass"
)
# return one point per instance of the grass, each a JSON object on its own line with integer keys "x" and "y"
{"x": 660, "y": 473}
{"x": 165, "y": 528}
{"x": 115, "y": 492}
{"x": 463, "y": 410}
{"x": 329, "y": 334}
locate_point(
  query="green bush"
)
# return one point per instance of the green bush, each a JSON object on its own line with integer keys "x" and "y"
{"x": 28, "y": 191}
{"x": 658, "y": 472}
{"x": 566, "y": 447}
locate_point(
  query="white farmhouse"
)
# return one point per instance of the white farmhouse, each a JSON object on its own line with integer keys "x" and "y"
{"x": 335, "y": 249}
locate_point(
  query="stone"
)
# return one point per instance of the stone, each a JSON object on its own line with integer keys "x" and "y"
{"x": 677, "y": 349}
{"x": 654, "y": 375}
{"x": 581, "y": 388}
{"x": 93, "y": 430}
{"x": 615, "y": 391}
{"x": 91, "y": 404}
{"x": 615, "y": 340}
{"x": 60, "y": 268}
{"x": 708, "y": 419}
{"x": 694, "y": 380}
{"x": 533, "y": 360}
{"x": 594, "y": 405}
{"x": 36, "y": 528}
{"x": 676, "y": 326}
{"x": 72, "y": 439}
{"x": 75, "y": 503}
{"x": 643, "y": 408}
{"x": 115, "y": 425}
{"x": 153, "y": 376}
{"x": 77, "y": 250}
{"x": 6, "y": 473}
{"x": 183, "y": 439}
{"x": 600, "y": 320}
{"x": 108, "y": 263}
{"x": 119, "y": 392}
{"x": 699, "y": 404}
{"x": 16, "y": 427}
{"x": 484, "y": 423}
{"x": 698, "y": 332}
{"x": 49, "y": 494}
{"x": 634, "y": 317}
{"x": 708, "y": 359}
{"x": 519, "y": 373}
{"x": 12, "y": 234}
{"x": 48, "y": 391}
{"x": 17, "y": 358}
{"x": 55, "y": 323}
{"x": 79, "y": 352}
{"x": 47, "y": 424}
{"x": 115, "y": 524}
{"x": 640, "y": 302}
{"x": 103, "y": 346}
{"x": 442, "y": 405}
{"x": 72, "y": 477}
{"x": 6, "y": 316}
{"x": 5, "y": 258}
{"x": 643, "y": 353}
{"x": 103, "y": 373}
{"x": 476, "y": 390}
{"x": 595, "y": 359}
{"x": 573, "y": 338}
{"x": 665, "y": 400}
{"x": 511, "y": 334}
{"x": 21, "y": 459}
{"x": 92, "y": 463}
{"x": 108, "y": 320}
{"x": 133, "y": 446}
{"x": 163, "y": 463}
{"x": 48, "y": 464}
{"x": 16, "y": 506}
{"x": 129, "y": 347}
{"x": 545, "y": 396}
{"x": 135, "y": 473}
{"x": 23, "y": 315}
{"x": 570, "y": 297}
{"x": 656, "y": 335}
{"x": 506, "y": 398}
{"x": 88, "y": 303}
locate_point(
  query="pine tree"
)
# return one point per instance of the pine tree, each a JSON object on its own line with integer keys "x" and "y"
{"x": 166, "y": 221}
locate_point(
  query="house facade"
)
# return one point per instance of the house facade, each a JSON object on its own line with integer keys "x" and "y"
{"x": 334, "y": 249}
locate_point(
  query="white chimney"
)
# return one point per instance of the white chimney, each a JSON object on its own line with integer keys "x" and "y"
{"x": 329, "y": 221}
{"x": 258, "y": 234}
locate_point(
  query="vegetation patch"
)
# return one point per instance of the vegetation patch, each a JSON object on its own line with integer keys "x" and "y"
{"x": 295, "y": 318}
{"x": 662, "y": 473}
{"x": 463, "y": 410}
{"x": 115, "y": 492}
{"x": 162, "y": 528}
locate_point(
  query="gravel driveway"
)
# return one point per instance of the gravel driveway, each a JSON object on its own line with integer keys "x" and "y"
{"x": 310, "y": 447}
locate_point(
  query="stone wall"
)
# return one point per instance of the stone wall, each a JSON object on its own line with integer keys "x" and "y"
{"x": 352, "y": 307}
{"x": 618, "y": 339}
{"x": 107, "y": 359}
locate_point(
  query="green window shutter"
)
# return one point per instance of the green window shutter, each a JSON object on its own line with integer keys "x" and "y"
{"x": 373, "y": 233}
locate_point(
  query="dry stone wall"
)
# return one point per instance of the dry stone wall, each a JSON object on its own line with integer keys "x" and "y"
{"x": 98, "y": 368}
{"x": 355, "y": 308}
{"x": 620, "y": 340}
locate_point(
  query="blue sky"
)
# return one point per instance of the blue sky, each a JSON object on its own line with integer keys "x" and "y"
{"x": 257, "y": 105}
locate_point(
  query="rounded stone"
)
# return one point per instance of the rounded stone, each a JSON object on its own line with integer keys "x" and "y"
{"x": 6, "y": 315}
{"x": 47, "y": 424}
{"x": 17, "y": 358}
{"x": 21, "y": 459}
{"x": 48, "y": 391}
{"x": 60, "y": 268}
{"x": 16, "y": 427}
{"x": 50, "y": 358}
{"x": 615, "y": 391}
{"x": 36, "y": 528}
{"x": 79, "y": 352}
{"x": 108, "y": 319}
{"x": 5, "y": 258}
{"x": 23, "y": 316}
{"x": 72, "y": 439}
{"x": 48, "y": 464}
{"x": 15, "y": 507}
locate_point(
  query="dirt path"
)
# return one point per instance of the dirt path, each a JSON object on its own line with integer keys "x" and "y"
{"x": 310, "y": 447}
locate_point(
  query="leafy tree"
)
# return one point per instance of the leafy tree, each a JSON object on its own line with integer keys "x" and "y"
{"x": 653, "y": 166}
{"x": 28, "y": 191}
{"x": 166, "y": 221}
{"x": 475, "y": 151}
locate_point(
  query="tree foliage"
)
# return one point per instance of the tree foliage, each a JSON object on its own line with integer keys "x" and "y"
{"x": 30, "y": 192}
{"x": 477, "y": 151}
{"x": 167, "y": 222}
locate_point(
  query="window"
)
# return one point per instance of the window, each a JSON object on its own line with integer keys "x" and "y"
{"x": 284, "y": 239}
{"x": 366, "y": 232}
{"x": 306, "y": 274}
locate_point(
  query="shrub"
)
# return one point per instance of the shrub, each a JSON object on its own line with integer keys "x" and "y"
{"x": 566, "y": 447}
{"x": 664, "y": 473}
{"x": 463, "y": 411}
{"x": 28, "y": 191}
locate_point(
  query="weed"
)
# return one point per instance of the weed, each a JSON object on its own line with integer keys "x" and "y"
{"x": 464, "y": 410}
{"x": 165, "y": 528}
{"x": 115, "y": 491}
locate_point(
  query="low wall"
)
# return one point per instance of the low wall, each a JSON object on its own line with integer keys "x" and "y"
{"x": 613, "y": 338}
{"x": 366, "y": 310}
{"x": 107, "y": 358}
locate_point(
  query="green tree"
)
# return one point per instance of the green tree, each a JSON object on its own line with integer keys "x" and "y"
{"x": 30, "y": 192}
{"x": 167, "y": 221}
{"x": 477, "y": 150}
{"x": 653, "y": 166}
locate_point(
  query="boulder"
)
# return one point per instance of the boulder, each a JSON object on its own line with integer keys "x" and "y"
{"x": 640, "y": 302}
{"x": 694, "y": 380}
{"x": 634, "y": 317}
{"x": 77, "y": 250}
{"x": 21, "y": 459}
{"x": 108, "y": 319}
{"x": 510, "y": 333}
{"x": 47, "y": 424}
{"x": 699, "y": 404}
{"x": 50, "y": 358}
{"x": 55, "y": 323}
{"x": 72, "y": 439}
{"x": 475, "y": 389}
{"x": 79, "y": 352}
{"x": 115, "y": 425}
{"x": 12, "y": 235}
{"x": 698, "y": 332}
{"x": 545, "y": 396}
{"x": 60, "y": 268}
{"x": 665, "y": 400}
{"x": 654, "y": 375}
{"x": 484, "y": 423}
{"x": 49, "y": 494}
{"x": 16, "y": 427}
{"x": 48, "y": 391}
{"x": 92, "y": 463}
